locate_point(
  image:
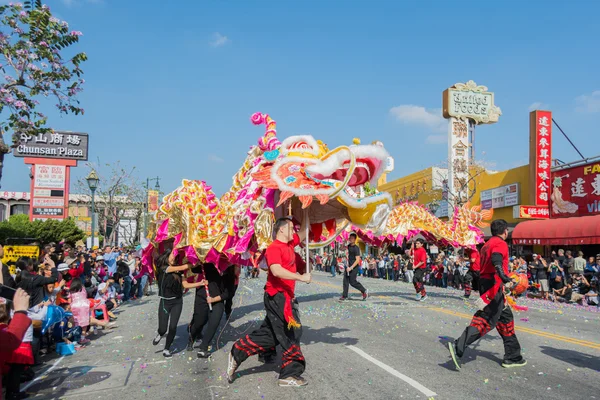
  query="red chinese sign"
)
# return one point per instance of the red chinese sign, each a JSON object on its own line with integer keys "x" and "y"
{"x": 541, "y": 155}
{"x": 576, "y": 191}
{"x": 152, "y": 201}
{"x": 531, "y": 212}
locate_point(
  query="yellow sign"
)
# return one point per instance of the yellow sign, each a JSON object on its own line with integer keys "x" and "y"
{"x": 13, "y": 253}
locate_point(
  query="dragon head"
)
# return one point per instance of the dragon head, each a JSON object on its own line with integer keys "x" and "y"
{"x": 340, "y": 180}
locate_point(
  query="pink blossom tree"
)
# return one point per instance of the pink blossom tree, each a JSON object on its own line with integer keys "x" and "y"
{"x": 33, "y": 66}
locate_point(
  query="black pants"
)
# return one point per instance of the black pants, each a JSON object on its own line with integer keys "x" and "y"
{"x": 475, "y": 283}
{"x": 494, "y": 315}
{"x": 202, "y": 316}
{"x": 229, "y": 302}
{"x": 418, "y": 281}
{"x": 12, "y": 380}
{"x": 274, "y": 331}
{"x": 468, "y": 283}
{"x": 169, "y": 312}
{"x": 350, "y": 280}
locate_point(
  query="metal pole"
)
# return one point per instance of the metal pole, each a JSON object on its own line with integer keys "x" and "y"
{"x": 146, "y": 209}
{"x": 307, "y": 240}
{"x": 93, "y": 220}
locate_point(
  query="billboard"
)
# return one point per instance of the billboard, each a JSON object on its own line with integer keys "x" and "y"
{"x": 503, "y": 196}
{"x": 576, "y": 191}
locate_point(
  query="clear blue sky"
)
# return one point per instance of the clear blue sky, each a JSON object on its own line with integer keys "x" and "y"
{"x": 171, "y": 85}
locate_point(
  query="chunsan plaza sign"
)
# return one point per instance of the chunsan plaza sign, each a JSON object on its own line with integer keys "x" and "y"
{"x": 57, "y": 144}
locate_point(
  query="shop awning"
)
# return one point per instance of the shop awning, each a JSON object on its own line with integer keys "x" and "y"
{"x": 558, "y": 231}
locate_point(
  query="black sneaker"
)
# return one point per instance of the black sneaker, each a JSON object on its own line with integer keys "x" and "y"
{"x": 513, "y": 364}
{"x": 167, "y": 353}
{"x": 157, "y": 339}
{"x": 455, "y": 358}
{"x": 203, "y": 354}
{"x": 190, "y": 344}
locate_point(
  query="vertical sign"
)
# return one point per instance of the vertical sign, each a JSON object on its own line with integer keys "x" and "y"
{"x": 540, "y": 155}
{"x": 152, "y": 201}
{"x": 458, "y": 161}
{"x": 49, "y": 194}
{"x": 464, "y": 105}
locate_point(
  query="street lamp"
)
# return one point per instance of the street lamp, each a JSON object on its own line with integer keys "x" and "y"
{"x": 92, "y": 180}
{"x": 157, "y": 187}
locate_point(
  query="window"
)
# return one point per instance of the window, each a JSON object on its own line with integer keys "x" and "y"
{"x": 19, "y": 209}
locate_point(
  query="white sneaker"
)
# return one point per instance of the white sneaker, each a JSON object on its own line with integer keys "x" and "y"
{"x": 157, "y": 339}
{"x": 292, "y": 382}
{"x": 232, "y": 366}
{"x": 418, "y": 297}
{"x": 423, "y": 298}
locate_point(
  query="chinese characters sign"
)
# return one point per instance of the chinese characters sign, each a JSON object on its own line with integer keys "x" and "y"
{"x": 152, "y": 201}
{"x": 576, "y": 191}
{"x": 50, "y": 176}
{"x": 57, "y": 144}
{"x": 540, "y": 156}
{"x": 49, "y": 189}
{"x": 531, "y": 212}
{"x": 458, "y": 161}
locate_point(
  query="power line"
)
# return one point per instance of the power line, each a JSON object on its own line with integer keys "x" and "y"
{"x": 565, "y": 135}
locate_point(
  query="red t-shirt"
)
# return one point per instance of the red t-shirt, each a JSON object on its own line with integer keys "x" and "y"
{"x": 420, "y": 257}
{"x": 494, "y": 245}
{"x": 475, "y": 265}
{"x": 284, "y": 255}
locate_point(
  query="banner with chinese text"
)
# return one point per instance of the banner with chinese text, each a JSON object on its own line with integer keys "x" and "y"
{"x": 540, "y": 155}
{"x": 152, "y": 201}
{"x": 576, "y": 191}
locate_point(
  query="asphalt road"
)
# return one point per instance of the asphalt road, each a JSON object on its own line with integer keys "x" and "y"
{"x": 389, "y": 347}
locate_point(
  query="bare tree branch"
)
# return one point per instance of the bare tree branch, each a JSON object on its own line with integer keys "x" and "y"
{"x": 120, "y": 197}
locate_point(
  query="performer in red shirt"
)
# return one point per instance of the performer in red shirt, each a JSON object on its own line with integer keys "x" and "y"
{"x": 419, "y": 265}
{"x": 493, "y": 311}
{"x": 282, "y": 323}
{"x": 472, "y": 276}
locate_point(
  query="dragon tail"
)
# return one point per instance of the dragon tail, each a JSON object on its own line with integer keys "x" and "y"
{"x": 269, "y": 141}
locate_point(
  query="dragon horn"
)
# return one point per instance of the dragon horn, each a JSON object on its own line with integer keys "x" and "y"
{"x": 269, "y": 141}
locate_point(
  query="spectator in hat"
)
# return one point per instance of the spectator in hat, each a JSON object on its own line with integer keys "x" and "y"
{"x": 75, "y": 267}
{"x": 100, "y": 268}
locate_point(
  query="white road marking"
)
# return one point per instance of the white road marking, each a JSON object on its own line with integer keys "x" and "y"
{"x": 410, "y": 381}
{"x": 251, "y": 290}
{"x": 43, "y": 374}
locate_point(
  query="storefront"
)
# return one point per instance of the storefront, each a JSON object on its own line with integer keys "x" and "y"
{"x": 574, "y": 221}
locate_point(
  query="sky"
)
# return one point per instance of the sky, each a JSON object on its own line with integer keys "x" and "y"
{"x": 170, "y": 86}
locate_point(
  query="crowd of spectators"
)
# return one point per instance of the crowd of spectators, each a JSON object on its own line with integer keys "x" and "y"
{"x": 61, "y": 299}
{"x": 563, "y": 276}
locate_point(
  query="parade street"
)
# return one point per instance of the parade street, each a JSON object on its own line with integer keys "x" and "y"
{"x": 389, "y": 347}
